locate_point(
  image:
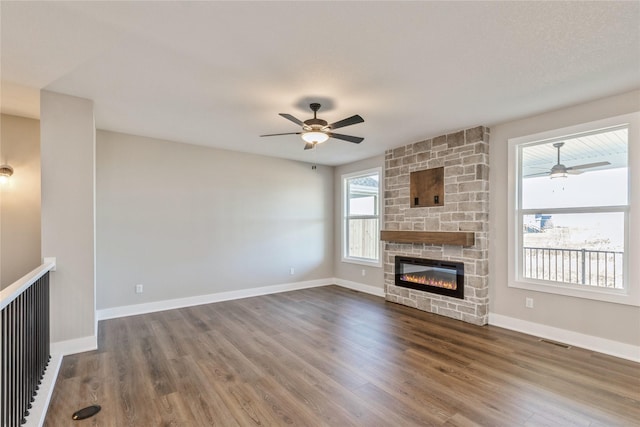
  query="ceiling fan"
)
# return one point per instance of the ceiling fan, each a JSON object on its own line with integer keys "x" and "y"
{"x": 561, "y": 171}
{"x": 316, "y": 131}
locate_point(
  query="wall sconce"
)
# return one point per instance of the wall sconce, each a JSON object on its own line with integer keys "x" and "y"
{"x": 5, "y": 172}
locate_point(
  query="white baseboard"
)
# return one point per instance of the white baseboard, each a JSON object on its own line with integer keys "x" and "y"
{"x": 77, "y": 345}
{"x": 39, "y": 407}
{"x": 590, "y": 342}
{"x": 361, "y": 287}
{"x": 151, "y": 307}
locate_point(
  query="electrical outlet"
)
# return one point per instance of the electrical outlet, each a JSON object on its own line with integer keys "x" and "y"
{"x": 528, "y": 302}
{"x": 139, "y": 289}
{"x": 292, "y": 271}
{"x": 364, "y": 272}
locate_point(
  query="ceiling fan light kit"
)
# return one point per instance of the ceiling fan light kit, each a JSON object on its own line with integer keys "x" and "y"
{"x": 314, "y": 137}
{"x": 316, "y": 131}
{"x": 5, "y": 173}
{"x": 558, "y": 174}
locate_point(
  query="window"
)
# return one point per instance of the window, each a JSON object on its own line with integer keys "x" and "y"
{"x": 569, "y": 228}
{"x": 361, "y": 224}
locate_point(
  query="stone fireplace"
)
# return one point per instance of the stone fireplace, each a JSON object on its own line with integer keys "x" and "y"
{"x": 463, "y": 208}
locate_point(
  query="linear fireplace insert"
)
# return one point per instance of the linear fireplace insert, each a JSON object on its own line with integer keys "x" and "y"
{"x": 428, "y": 275}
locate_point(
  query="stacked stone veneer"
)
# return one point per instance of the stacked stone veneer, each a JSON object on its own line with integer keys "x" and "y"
{"x": 465, "y": 157}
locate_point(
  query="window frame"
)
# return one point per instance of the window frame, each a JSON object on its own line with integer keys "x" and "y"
{"x": 345, "y": 217}
{"x": 630, "y": 294}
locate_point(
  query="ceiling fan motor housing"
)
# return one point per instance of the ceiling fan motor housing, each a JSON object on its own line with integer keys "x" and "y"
{"x": 315, "y": 124}
{"x": 559, "y": 168}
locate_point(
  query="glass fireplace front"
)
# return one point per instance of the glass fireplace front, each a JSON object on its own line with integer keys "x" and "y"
{"x": 440, "y": 277}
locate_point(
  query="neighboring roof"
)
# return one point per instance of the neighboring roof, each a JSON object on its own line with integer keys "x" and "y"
{"x": 366, "y": 181}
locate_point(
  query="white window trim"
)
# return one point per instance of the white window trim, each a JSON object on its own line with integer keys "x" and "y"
{"x": 630, "y": 295}
{"x": 343, "y": 217}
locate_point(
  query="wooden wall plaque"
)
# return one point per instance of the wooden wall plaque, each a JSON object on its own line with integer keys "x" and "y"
{"x": 426, "y": 188}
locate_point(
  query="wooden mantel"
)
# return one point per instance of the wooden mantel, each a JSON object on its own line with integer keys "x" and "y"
{"x": 461, "y": 238}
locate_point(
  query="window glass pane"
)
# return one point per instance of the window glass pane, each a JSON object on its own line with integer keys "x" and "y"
{"x": 363, "y": 195}
{"x": 363, "y": 238}
{"x": 592, "y": 171}
{"x": 578, "y": 248}
{"x": 362, "y": 205}
{"x": 595, "y": 188}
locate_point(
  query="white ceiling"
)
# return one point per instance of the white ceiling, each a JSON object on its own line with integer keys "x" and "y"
{"x": 218, "y": 73}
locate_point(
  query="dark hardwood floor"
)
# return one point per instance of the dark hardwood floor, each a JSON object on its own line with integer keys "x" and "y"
{"x": 333, "y": 357}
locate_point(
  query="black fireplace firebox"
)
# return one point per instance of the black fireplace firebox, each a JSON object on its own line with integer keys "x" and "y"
{"x": 428, "y": 275}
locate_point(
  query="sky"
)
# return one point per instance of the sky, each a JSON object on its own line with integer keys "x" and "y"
{"x": 594, "y": 188}
{"x": 607, "y": 187}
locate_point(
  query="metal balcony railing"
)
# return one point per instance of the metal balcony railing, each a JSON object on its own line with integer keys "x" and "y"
{"x": 24, "y": 344}
{"x": 602, "y": 269}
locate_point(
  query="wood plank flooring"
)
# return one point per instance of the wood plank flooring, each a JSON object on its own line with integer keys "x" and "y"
{"x": 333, "y": 357}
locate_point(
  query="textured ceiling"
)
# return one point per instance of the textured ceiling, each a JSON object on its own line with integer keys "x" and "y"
{"x": 218, "y": 73}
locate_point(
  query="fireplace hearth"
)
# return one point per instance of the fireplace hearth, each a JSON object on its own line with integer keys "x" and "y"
{"x": 427, "y": 275}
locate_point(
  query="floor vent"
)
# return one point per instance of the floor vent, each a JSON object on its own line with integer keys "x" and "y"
{"x": 559, "y": 344}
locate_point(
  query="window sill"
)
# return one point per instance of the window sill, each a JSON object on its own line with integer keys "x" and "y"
{"x": 613, "y": 296}
{"x": 362, "y": 261}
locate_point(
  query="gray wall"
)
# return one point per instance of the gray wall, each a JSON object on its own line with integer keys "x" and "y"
{"x": 185, "y": 220}
{"x": 182, "y": 220}
{"x": 374, "y": 276}
{"x": 601, "y": 319}
{"x": 67, "y": 132}
{"x": 19, "y": 199}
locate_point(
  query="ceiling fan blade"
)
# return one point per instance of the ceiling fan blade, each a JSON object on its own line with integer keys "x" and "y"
{"x": 293, "y": 119}
{"x": 546, "y": 168}
{"x": 589, "y": 165}
{"x": 354, "y": 139}
{"x": 536, "y": 174}
{"x": 346, "y": 122}
{"x": 309, "y": 145}
{"x": 278, "y": 134}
